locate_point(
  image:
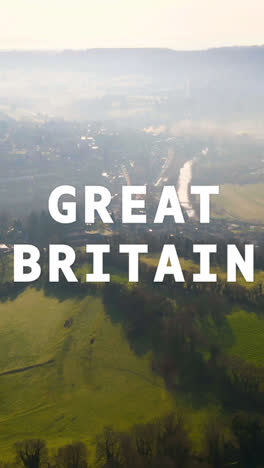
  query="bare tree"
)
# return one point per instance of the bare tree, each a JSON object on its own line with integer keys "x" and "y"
{"x": 72, "y": 456}
{"x": 108, "y": 452}
{"x": 32, "y": 453}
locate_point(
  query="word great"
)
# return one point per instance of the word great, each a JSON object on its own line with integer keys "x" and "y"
{"x": 169, "y": 204}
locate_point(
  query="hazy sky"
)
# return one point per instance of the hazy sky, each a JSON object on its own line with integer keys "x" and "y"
{"x": 179, "y": 24}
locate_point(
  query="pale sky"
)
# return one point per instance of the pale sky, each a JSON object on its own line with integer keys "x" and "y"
{"x": 177, "y": 24}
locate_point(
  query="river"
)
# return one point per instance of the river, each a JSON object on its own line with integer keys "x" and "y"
{"x": 184, "y": 181}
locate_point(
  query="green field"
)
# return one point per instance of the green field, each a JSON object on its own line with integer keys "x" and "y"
{"x": 248, "y": 336}
{"x": 87, "y": 376}
{"x": 94, "y": 379}
{"x": 240, "y": 202}
{"x": 86, "y": 387}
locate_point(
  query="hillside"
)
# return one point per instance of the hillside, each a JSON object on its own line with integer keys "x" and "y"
{"x": 95, "y": 378}
{"x": 205, "y": 84}
{"x": 78, "y": 370}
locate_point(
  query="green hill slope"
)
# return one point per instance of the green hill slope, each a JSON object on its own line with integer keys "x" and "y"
{"x": 67, "y": 369}
{"x": 94, "y": 378}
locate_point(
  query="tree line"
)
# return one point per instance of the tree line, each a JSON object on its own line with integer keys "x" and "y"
{"x": 166, "y": 442}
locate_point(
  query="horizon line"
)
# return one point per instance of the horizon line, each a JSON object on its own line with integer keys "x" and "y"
{"x": 67, "y": 49}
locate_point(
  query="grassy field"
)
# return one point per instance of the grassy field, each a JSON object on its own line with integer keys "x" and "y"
{"x": 240, "y": 202}
{"x": 86, "y": 387}
{"x": 248, "y": 336}
{"x": 94, "y": 377}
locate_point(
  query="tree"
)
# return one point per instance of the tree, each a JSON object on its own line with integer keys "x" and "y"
{"x": 215, "y": 445}
{"x": 72, "y": 456}
{"x": 108, "y": 452}
{"x": 32, "y": 453}
{"x": 173, "y": 442}
{"x": 249, "y": 432}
